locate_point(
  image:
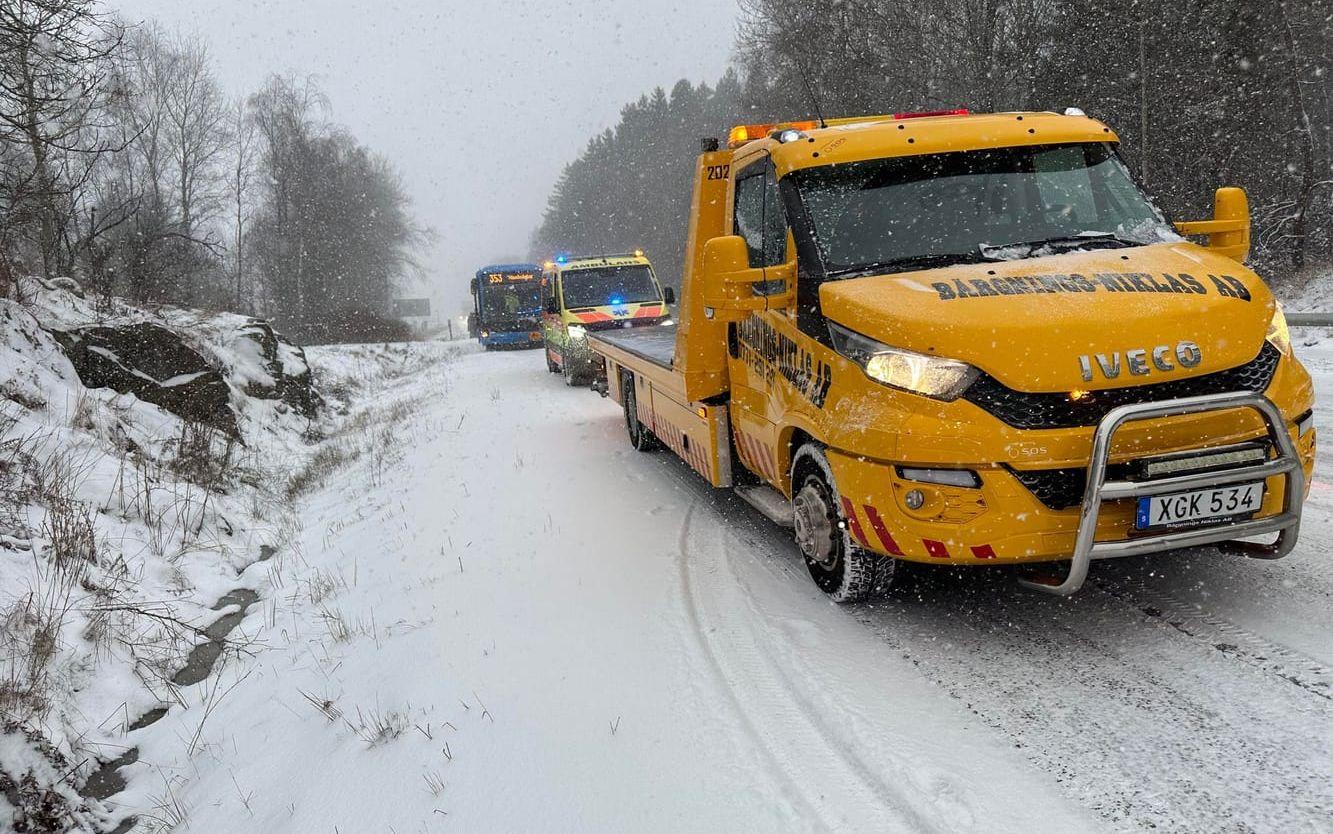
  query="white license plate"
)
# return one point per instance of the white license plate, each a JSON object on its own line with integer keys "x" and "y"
{"x": 1186, "y": 509}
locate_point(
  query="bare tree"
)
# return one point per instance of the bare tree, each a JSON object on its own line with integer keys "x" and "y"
{"x": 175, "y": 125}
{"x": 288, "y": 114}
{"x": 196, "y": 118}
{"x": 1303, "y": 73}
{"x": 142, "y": 73}
{"x": 242, "y": 174}
{"x": 53, "y": 64}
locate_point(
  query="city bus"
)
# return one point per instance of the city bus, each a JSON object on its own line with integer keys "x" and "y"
{"x": 506, "y": 306}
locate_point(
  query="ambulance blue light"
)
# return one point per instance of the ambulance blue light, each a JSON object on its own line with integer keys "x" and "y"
{"x": 615, "y": 299}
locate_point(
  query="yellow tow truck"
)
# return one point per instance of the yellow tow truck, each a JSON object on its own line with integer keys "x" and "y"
{"x": 962, "y": 338}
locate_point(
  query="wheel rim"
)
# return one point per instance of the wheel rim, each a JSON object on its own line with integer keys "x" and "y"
{"x": 813, "y": 518}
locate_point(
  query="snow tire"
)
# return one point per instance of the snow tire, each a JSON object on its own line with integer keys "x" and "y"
{"x": 841, "y": 569}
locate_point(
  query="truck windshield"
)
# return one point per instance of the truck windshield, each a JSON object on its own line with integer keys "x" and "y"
{"x": 919, "y": 211}
{"x": 599, "y": 286}
{"x": 509, "y": 301}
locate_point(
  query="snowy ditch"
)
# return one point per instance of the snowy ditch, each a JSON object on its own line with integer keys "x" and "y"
{"x": 144, "y": 557}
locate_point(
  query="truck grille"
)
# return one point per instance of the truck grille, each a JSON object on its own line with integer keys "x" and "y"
{"x": 1060, "y": 489}
{"x": 1024, "y": 410}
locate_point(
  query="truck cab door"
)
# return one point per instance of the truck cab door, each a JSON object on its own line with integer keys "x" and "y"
{"x": 759, "y": 346}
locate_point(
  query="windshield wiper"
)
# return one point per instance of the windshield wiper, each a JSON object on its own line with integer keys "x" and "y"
{"x": 995, "y": 251}
{"x": 909, "y": 264}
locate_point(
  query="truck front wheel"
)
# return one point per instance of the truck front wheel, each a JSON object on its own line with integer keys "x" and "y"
{"x": 842, "y": 570}
{"x": 640, "y": 436}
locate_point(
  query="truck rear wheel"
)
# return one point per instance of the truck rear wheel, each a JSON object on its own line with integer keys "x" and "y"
{"x": 841, "y": 569}
{"x": 640, "y": 436}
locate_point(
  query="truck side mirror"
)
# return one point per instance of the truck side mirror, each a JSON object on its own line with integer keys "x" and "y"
{"x": 668, "y": 295}
{"x": 551, "y": 306}
{"x": 1229, "y": 231}
{"x": 729, "y": 279}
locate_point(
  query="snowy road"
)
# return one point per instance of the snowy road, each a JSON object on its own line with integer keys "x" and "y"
{"x": 585, "y": 638}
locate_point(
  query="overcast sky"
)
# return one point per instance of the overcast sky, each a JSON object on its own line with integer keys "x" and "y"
{"x": 479, "y": 104}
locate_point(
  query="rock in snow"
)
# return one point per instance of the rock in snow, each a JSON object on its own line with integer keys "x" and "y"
{"x": 154, "y": 364}
{"x": 288, "y": 373}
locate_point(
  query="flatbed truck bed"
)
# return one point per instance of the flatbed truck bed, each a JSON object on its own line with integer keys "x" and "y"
{"x": 656, "y": 343}
{"x": 641, "y": 360}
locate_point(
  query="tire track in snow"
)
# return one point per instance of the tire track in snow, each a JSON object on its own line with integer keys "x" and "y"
{"x": 958, "y": 816}
{"x": 1159, "y": 733}
{"x": 1147, "y": 727}
{"x": 757, "y": 737}
{"x": 1222, "y": 635}
{"x": 785, "y": 717}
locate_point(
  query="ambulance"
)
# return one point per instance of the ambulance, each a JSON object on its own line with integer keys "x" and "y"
{"x": 970, "y": 339}
{"x": 587, "y": 294}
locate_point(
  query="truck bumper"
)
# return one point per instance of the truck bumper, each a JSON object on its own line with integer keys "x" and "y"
{"x": 1003, "y": 521}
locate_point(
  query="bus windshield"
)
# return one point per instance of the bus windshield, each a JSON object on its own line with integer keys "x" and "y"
{"x": 599, "y": 286}
{"x": 975, "y": 205}
{"x": 510, "y": 301}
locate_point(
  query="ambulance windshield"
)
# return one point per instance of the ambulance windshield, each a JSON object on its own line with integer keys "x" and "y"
{"x": 609, "y": 285}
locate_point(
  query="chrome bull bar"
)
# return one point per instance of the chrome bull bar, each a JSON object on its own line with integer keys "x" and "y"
{"x": 1286, "y": 523}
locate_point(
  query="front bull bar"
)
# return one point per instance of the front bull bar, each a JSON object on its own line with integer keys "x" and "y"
{"x": 1287, "y": 463}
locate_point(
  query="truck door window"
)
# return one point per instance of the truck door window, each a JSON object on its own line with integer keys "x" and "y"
{"x": 749, "y": 215}
{"x": 761, "y": 221}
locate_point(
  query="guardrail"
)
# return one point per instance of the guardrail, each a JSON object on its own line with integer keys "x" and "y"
{"x": 1310, "y": 319}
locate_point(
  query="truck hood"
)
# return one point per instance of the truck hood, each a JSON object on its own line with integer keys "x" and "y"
{"x": 1029, "y": 323}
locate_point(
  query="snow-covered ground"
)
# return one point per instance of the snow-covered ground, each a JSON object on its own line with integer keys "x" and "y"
{"x": 502, "y": 618}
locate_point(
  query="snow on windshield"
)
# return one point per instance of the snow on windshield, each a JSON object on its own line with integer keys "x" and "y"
{"x": 603, "y": 285}
{"x": 905, "y": 208}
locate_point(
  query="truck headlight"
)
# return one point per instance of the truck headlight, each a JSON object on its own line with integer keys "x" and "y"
{"x": 1278, "y": 334}
{"x": 930, "y": 376}
{"x": 576, "y": 332}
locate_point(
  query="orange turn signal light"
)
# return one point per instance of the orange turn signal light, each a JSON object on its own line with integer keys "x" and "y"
{"x": 740, "y": 134}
